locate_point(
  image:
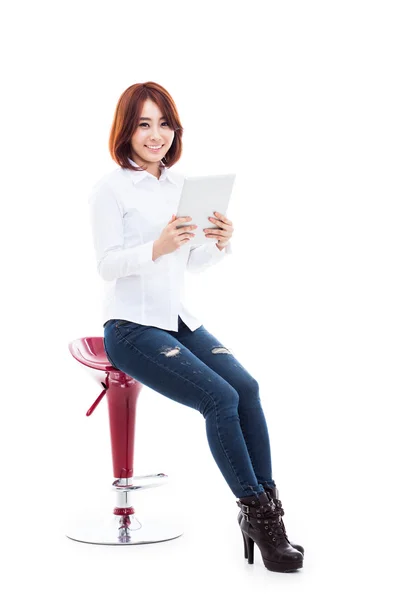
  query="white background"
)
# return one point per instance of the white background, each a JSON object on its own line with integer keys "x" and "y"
{"x": 301, "y": 100}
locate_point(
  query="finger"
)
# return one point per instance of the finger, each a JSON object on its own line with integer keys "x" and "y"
{"x": 221, "y": 224}
{"x": 219, "y": 235}
{"x": 223, "y": 218}
{"x": 219, "y": 231}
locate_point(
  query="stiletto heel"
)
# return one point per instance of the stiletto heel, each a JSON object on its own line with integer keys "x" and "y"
{"x": 245, "y": 546}
{"x": 250, "y": 548}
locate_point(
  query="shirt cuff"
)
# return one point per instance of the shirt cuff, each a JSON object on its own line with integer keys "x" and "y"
{"x": 215, "y": 251}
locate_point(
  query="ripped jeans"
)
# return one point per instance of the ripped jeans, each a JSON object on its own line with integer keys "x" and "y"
{"x": 195, "y": 369}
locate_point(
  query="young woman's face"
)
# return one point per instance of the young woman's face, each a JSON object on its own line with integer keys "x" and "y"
{"x": 153, "y": 131}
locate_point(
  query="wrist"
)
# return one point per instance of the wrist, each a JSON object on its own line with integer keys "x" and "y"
{"x": 156, "y": 250}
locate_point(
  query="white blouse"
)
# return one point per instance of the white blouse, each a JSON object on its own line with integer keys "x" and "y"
{"x": 128, "y": 211}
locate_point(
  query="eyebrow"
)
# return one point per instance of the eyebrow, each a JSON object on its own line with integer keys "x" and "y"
{"x": 147, "y": 119}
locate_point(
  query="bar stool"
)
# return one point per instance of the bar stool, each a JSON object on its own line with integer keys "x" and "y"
{"x": 123, "y": 526}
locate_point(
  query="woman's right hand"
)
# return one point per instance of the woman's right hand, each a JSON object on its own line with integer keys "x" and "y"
{"x": 172, "y": 238}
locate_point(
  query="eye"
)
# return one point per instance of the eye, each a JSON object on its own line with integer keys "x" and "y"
{"x": 164, "y": 123}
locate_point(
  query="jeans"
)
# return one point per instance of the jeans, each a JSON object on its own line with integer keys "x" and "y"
{"x": 195, "y": 369}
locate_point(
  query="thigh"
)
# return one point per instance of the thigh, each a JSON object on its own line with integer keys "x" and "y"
{"x": 161, "y": 362}
{"x": 219, "y": 358}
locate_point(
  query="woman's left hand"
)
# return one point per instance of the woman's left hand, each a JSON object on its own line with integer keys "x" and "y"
{"x": 224, "y": 233}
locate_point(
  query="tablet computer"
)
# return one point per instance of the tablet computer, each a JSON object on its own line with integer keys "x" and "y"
{"x": 200, "y": 197}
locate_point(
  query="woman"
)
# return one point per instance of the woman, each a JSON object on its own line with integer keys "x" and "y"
{"x": 148, "y": 332}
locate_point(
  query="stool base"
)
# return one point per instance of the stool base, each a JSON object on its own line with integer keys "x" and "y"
{"x": 127, "y": 525}
{"x": 121, "y": 531}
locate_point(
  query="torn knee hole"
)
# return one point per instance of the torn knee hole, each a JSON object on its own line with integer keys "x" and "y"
{"x": 171, "y": 352}
{"x": 221, "y": 350}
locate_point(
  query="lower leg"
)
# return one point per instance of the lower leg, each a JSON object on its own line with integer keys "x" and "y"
{"x": 256, "y": 435}
{"x": 229, "y": 449}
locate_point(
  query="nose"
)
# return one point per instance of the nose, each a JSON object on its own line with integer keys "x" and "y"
{"x": 155, "y": 136}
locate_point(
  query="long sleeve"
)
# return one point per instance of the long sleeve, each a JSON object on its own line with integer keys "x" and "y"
{"x": 205, "y": 255}
{"x": 113, "y": 260}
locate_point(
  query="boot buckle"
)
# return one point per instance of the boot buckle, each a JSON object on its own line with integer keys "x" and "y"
{"x": 245, "y": 511}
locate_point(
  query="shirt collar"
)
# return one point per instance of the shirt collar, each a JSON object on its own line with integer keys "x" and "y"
{"x": 139, "y": 175}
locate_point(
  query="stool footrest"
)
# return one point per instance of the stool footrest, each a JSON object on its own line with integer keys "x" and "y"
{"x": 133, "y": 483}
{"x": 147, "y": 476}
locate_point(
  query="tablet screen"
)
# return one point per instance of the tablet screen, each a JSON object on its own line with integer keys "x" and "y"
{"x": 201, "y": 196}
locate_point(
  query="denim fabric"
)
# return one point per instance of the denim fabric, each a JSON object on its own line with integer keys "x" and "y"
{"x": 187, "y": 367}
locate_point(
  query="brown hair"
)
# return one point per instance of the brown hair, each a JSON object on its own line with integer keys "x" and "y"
{"x": 126, "y": 120}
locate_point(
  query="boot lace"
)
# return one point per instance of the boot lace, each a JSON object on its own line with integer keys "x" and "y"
{"x": 279, "y": 510}
{"x": 274, "y": 524}
{"x": 271, "y": 514}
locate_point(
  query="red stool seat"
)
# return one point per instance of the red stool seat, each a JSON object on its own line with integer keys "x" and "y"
{"x": 90, "y": 352}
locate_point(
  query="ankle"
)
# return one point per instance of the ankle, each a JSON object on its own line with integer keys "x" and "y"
{"x": 255, "y": 500}
{"x": 271, "y": 486}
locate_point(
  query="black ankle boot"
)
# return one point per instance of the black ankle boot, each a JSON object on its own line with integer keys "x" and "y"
{"x": 261, "y": 523}
{"x": 273, "y": 494}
